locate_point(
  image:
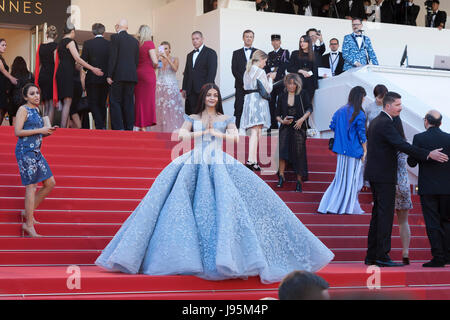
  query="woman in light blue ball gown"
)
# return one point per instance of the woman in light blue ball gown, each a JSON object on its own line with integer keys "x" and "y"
{"x": 207, "y": 215}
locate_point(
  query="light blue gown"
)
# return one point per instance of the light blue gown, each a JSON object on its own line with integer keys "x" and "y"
{"x": 208, "y": 215}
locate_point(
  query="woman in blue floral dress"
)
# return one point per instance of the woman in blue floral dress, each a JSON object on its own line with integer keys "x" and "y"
{"x": 33, "y": 167}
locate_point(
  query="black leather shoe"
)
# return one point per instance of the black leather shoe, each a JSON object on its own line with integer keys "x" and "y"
{"x": 298, "y": 187}
{"x": 280, "y": 181}
{"x": 388, "y": 263}
{"x": 433, "y": 263}
{"x": 249, "y": 165}
{"x": 256, "y": 167}
{"x": 405, "y": 261}
{"x": 369, "y": 262}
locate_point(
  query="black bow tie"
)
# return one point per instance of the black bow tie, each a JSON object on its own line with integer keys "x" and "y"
{"x": 334, "y": 53}
{"x": 246, "y": 49}
{"x": 196, "y": 50}
{"x": 358, "y": 35}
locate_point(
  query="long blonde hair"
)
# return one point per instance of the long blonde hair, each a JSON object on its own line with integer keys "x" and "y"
{"x": 258, "y": 55}
{"x": 144, "y": 34}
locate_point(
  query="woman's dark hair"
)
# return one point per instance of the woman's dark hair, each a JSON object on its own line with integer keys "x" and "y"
{"x": 1, "y": 57}
{"x": 302, "y": 285}
{"x": 19, "y": 68}
{"x": 355, "y": 99}
{"x": 68, "y": 28}
{"x": 27, "y": 87}
{"x": 201, "y": 106}
{"x": 310, "y": 49}
{"x": 380, "y": 90}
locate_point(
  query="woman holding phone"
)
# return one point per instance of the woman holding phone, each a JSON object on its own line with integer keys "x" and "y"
{"x": 33, "y": 167}
{"x": 293, "y": 110}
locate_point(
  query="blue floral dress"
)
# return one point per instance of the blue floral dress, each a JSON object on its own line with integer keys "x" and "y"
{"x": 33, "y": 167}
{"x": 207, "y": 215}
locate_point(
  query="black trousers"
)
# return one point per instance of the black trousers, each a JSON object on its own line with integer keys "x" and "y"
{"x": 238, "y": 105}
{"x": 436, "y": 212}
{"x": 121, "y": 100}
{"x": 380, "y": 230}
{"x": 190, "y": 105}
{"x": 97, "y": 94}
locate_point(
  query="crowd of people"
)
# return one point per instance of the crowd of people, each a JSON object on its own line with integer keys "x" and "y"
{"x": 403, "y": 12}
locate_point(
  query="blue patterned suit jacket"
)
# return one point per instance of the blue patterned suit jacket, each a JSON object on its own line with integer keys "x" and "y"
{"x": 352, "y": 53}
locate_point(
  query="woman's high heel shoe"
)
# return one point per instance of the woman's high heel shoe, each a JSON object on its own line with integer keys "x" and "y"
{"x": 256, "y": 167}
{"x": 298, "y": 187}
{"x": 30, "y": 231}
{"x": 280, "y": 181}
{"x": 250, "y": 165}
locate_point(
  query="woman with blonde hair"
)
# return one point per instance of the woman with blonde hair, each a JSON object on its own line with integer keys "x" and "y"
{"x": 293, "y": 110}
{"x": 144, "y": 90}
{"x": 256, "y": 113}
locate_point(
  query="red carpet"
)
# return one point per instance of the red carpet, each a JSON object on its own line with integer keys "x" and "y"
{"x": 101, "y": 177}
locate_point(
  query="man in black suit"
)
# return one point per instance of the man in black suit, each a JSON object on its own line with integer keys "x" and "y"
{"x": 384, "y": 141}
{"x": 406, "y": 12}
{"x": 317, "y": 42}
{"x": 434, "y": 189}
{"x": 278, "y": 62}
{"x": 334, "y": 59}
{"x": 96, "y": 53}
{"x": 200, "y": 69}
{"x": 348, "y": 9}
{"x": 122, "y": 77}
{"x": 238, "y": 65}
{"x": 438, "y": 18}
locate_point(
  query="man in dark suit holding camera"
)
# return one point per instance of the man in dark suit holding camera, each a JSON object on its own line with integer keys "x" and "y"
{"x": 122, "y": 77}
{"x": 200, "y": 69}
{"x": 434, "y": 189}
{"x": 96, "y": 53}
{"x": 384, "y": 141}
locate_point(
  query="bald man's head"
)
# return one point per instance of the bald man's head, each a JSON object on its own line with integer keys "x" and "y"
{"x": 433, "y": 119}
{"x": 122, "y": 25}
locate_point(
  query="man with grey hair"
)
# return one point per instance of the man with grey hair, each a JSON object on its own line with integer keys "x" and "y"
{"x": 122, "y": 77}
{"x": 96, "y": 53}
{"x": 434, "y": 189}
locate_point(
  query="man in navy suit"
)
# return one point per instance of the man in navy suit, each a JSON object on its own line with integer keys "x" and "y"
{"x": 238, "y": 65}
{"x": 200, "y": 69}
{"x": 96, "y": 53}
{"x": 122, "y": 77}
{"x": 434, "y": 189}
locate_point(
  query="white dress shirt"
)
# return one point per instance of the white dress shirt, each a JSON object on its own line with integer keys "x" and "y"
{"x": 334, "y": 60}
{"x": 195, "y": 55}
{"x": 248, "y": 53}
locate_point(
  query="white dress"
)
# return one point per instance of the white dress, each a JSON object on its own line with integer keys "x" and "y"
{"x": 256, "y": 109}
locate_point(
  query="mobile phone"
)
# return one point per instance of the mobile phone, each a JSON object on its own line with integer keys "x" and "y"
{"x": 161, "y": 49}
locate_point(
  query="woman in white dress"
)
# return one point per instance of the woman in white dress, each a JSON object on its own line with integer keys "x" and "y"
{"x": 256, "y": 114}
{"x": 169, "y": 103}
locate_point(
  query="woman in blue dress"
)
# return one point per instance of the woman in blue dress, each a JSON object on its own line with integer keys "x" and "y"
{"x": 33, "y": 167}
{"x": 207, "y": 215}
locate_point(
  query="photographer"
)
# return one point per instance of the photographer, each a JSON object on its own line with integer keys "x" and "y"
{"x": 435, "y": 17}
{"x": 263, "y": 5}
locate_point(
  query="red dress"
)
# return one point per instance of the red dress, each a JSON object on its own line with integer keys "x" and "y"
{"x": 144, "y": 90}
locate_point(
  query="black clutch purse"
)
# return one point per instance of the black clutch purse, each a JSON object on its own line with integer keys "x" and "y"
{"x": 330, "y": 144}
{"x": 262, "y": 91}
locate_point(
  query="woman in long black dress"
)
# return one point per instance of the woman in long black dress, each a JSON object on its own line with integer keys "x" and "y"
{"x": 19, "y": 70}
{"x": 303, "y": 63}
{"x": 68, "y": 54}
{"x": 293, "y": 110}
{"x": 6, "y": 79}
{"x": 46, "y": 69}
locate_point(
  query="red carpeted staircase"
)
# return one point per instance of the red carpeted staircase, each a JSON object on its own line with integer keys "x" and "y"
{"x": 101, "y": 177}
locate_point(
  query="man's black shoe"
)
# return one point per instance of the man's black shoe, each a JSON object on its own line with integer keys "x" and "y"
{"x": 433, "y": 263}
{"x": 388, "y": 263}
{"x": 369, "y": 262}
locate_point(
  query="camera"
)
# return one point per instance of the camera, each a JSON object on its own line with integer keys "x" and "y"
{"x": 428, "y": 4}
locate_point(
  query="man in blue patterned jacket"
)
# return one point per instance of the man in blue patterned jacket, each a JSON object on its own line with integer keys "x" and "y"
{"x": 357, "y": 49}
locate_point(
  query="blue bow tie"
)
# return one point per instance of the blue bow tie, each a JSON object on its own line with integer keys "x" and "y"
{"x": 247, "y": 49}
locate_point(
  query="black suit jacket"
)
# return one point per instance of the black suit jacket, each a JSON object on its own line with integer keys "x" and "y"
{"x": 434, "y": 177}
{"x": 302, "y": 104}
{"x": 387, "y": 12}
{"x": 357, "y": 10}
{"x": 441, "y": 17}
{"x": 238, "y": 66}
{"x": 96, "y": 52}
{"x": 384, "y": 141}
{"x": 204, "y": 71}
{"x": 340, "y": 64}
{"x": 406, "y": 14}
{"x": 124, "y": 57}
